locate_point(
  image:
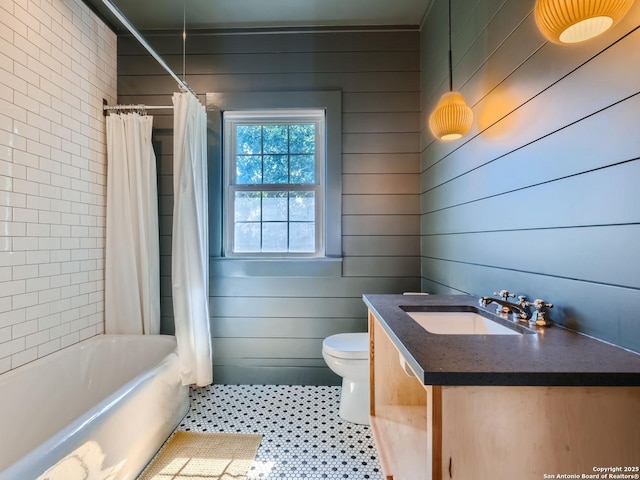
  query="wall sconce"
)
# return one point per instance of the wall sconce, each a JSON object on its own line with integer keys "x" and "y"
{"x": 572, "y": 21}
{"x": 452, "y": 117}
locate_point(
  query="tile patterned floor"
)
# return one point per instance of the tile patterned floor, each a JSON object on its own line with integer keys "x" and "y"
{"x": 303, "y": 436}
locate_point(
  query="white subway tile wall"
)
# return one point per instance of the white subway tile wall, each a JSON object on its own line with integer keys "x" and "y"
{"x": 57, "y": 63}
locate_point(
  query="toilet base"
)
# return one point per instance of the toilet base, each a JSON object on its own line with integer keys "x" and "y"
{"x": 354, "y": 401}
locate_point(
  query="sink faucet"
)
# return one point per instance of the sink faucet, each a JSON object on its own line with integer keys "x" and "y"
{"x": 519, "y": 310}
{"x": 505, "y": 295}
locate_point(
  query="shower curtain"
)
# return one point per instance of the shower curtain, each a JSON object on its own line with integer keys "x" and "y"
{"x": 190, "y": 253}
{"x": 132, "y": 257}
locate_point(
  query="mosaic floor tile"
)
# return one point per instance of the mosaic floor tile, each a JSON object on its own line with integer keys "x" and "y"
{"x": 303, "y": 436}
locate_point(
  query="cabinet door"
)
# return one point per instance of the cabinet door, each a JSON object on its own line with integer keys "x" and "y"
{"x": 530, "y": 432}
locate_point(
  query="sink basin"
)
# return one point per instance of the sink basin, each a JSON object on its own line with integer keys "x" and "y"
{"x": 462, "y": 323}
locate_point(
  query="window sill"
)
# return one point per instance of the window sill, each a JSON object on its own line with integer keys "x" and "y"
{"x": 275, "y": 267}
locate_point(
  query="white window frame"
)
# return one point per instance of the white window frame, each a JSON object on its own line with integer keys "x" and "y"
{"x": 231, "y": 119}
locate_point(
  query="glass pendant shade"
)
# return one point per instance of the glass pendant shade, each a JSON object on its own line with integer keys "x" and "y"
{"x": 452, "y": 117}
{"x": 572, "y": 21}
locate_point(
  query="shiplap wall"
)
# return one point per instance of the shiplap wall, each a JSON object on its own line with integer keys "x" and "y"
{"x": 541, "y": 197}
{"x": 269, "y": 328}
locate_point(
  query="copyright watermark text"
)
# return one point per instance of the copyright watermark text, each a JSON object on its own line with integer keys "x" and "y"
{"x": 606, "y": 473}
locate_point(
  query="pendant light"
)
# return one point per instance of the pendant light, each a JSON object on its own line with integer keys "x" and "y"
{"x": 452, "y": 118}
{"x": 572, "y": 21}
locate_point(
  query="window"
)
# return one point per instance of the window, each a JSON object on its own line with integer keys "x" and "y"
{"x": 274, "y": 183}
{"x": 327, "y": 260}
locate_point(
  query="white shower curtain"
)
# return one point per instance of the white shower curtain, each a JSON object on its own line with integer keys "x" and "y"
{"x": 132, "y": 258}
{"x": 190, "y": 253}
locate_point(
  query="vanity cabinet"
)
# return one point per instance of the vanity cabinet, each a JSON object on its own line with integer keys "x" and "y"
{"x": 496, "y": 432}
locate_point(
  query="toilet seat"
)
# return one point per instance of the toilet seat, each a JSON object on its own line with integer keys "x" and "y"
{"x": 353, "y": 346}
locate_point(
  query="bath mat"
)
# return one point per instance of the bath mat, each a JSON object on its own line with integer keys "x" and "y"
{"x": 204, "y": 456}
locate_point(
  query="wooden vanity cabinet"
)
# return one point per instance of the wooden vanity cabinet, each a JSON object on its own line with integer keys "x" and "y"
{"x": 462, "y": 432}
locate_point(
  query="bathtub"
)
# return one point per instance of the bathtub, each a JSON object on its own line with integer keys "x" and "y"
{"x": 98, "y": 409}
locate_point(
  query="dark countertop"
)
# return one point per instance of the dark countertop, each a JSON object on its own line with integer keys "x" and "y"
{"x": 555, "y": 356}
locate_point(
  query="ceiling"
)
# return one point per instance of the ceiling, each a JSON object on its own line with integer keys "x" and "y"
{"x": 225, "y": 14}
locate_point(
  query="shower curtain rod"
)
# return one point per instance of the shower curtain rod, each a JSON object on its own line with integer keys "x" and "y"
{"x": 129, "y": 26}
{"x": 137, "y": 107}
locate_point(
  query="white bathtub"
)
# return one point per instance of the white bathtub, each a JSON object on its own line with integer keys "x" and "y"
{"x": 99, "y": 409}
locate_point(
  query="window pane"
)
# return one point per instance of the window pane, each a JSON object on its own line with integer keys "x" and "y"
{"x": 302, "y": 169}
{"x": 247, "y": 207}
{"x": 302, "y": 237}
{"x": 248, "y": 170}
{"x": 274, "y": 237}
{"x": 247, "y": 237}
{"x": 275, "y": 186}
{"x": 276, "y": 169}
{"x": 276, "y": 139}
{"x": 274, "y": 206}
{"x": 249, "y": 139}
{"x": 303, "y": 138}
{"x": 302, "y": 206}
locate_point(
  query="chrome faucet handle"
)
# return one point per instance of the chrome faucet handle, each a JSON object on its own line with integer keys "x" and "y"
{"x": 524, "y": 304}
{"x": 505, "y": 294}
{"x": 540, "y": 317}
{"x": 539, "y": 304}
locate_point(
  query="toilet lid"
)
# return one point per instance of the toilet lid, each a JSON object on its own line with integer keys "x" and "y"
{"x": 347, "y": 345}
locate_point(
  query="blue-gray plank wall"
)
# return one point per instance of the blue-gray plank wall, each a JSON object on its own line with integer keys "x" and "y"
{"x": 542, "y": 196}
{"x": 268, "y": 327}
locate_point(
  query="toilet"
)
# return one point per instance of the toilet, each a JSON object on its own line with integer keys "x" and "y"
{"x": 347, "y": 355}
